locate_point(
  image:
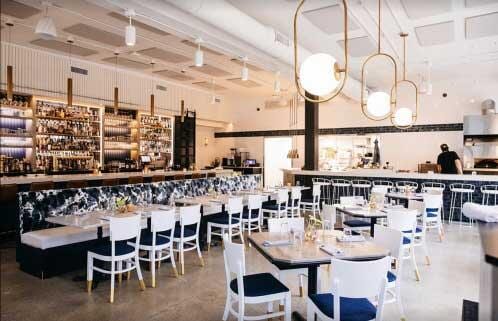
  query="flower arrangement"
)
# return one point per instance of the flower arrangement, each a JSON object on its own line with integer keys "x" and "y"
{"x": 123, "y": 205}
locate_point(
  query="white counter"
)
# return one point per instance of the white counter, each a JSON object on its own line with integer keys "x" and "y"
{"x": 20, "y": 180}
{"x": 391, "y": 174}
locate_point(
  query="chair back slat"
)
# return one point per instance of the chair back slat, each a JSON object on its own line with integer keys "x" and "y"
{"x": 190, "y": 215}
{"x": 359, "y": 279}
{"x": 282, "y": 196}
{"x": 329, "y": 216}
{"x": 402, "y": 220}
{"x": 433, "y": 201}
{"x": 390, "y": 239}
{"x": 254, "y": 202}
{"x": 283, "y": 225}
{"x": 235, "y": 205}
{"x": 316, "y": 190}
{"x": 161, "y": 221}
{"x": 234, "y": 257}
{"x": 124, "y": 228}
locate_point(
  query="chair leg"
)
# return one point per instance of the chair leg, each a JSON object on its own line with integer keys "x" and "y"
{"x": 399, "y": 303}
{"x": 113, "y": 275}
{"x": 153, "y": 267}
{"x": 172, "y": 258}
{"x": 227, "y": 308}
{"x": 241, "y": 310}
{"x": 120, "y": 268}
{"x": 199, "y": 252}
{"x": 128, "y": 266}
{"x": 412, "y": 254}
{"x": 89, "y": 273}
{"x": 426, "y": 252}
{"x": 287, "y": 315}
{"x": 209, "y": 236}
{"x": 182, "y": 262}
{"x": 301, "y": 288}
{"x": 139, "y": 273}
{"x": 241, "y": 231}
{"x": 269, "y": 308}
{"x": 310, "y": 313}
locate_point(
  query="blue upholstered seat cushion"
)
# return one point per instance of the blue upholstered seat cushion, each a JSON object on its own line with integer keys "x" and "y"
{"x": 431, "y": 212}
{"x": 121, "y": 248}
{"x": 351, "y": 309}
{"x": 391, "y": 277}
{"x": 224, "y": 220}
{"x": 254, "y": 213}
{"x": 259, "y": 285}
{"x": 273, "y": 207}
{"x": 417, "y": 230}
{"x": 187, "y": 232}
{"x": 356, "y": 223}
{"x": 146, "y": 238}
{"x": 406, "y": 240}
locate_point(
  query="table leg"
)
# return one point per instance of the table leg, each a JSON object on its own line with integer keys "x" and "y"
{"x": 312, "y": 289}
{"x": 373, "y": 221}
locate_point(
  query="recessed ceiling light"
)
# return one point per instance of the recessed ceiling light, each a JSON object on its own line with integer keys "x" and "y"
{"x": 199, "y": 54}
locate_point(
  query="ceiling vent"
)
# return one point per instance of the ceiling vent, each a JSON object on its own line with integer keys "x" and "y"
{"x": 80, "y": 71}
{"x": 162, "y": 88}
{"x": 281, "y": 38}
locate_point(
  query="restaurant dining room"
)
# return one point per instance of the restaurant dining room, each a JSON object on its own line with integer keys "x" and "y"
{"x": 206, "y": 160}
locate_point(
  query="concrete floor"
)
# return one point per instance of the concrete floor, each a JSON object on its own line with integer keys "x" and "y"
{"x": 200, "y": 294}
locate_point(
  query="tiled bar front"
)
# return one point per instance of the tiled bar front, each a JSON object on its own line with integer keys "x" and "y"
{"x": 306, "y": 179}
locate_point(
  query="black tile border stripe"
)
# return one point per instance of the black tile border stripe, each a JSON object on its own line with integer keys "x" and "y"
{"x": 345, "y": 130}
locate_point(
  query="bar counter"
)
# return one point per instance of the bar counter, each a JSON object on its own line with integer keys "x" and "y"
{"x": 28, "y": 179}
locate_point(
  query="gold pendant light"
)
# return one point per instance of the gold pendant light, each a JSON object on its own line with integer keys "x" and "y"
{"x": 116, "y": 90}
{"x": 404, "y": 117}
{"x": 10, "y": 69}
{"x": 69, "y": 79}
{"x": 320, "y": 74}
{"x": 379, "y": 105}
{"x": 152, "y": 107}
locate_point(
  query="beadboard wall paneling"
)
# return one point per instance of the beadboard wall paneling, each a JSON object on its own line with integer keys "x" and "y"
{"x": 43, "y": 73}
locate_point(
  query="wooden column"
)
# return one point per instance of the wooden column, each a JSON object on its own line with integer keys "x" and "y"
{"x": 311, "y": 133}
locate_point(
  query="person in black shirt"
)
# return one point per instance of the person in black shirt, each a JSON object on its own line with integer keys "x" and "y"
{"x": 449, "y": 161}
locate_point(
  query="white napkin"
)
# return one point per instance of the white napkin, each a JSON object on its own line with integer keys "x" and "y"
{"x": 351, "y": 238}
{"x": 480, "y": 212}
{"x": 268, "y": 243}
{"x": 332, "y": 250}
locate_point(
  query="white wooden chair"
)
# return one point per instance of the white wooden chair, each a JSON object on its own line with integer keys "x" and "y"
{"x": 230, "y": 223}
{"x": 392, "y": 240}
{"x": 435, "y": 187}
{"x": 402, "y": 186}
{"x": 294, "y": 203}
{"x": 353, "y": 224}
{"x": 353, "y": 283}
{"x": 329, "y": 216}
{"x": 432, "y": 213}
{"x": 186, "y": 237}
{"x": 405, "y": 221}
{"x": 159, "y": 241}
{"x": 312, "y": 205}
{"x": 261, "y": 288}
{"x": 251, "y": 219}
{"x": 279, "y": 209}
{"x": 117, "y": 251}
{"x": 285, "y": 225}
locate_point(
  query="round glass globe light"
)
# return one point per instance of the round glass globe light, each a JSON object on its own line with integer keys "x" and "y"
{"x": 378, "y": 104}
{"x": 403, "y": 116}
{"x": 317, "y": 74}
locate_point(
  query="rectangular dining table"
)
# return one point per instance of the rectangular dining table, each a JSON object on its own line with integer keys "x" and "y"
{"x": 307, "y": 254}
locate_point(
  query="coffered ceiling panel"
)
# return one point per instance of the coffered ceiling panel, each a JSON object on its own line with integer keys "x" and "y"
{"x": 211, "y": 70}
{"x": 138, "y": 24}
{"x": 481, "y": 26}
{"x": 209, "y": 85}
{"x": 164, "y": 55}
{"x": 173, "y": 75}
{"x": 194, "y": 45}
{"x": 359, "y": 47}
{"x": 416, "y": 9}
{"x": 63, "y": 47}
{"x": 477, "y": 3}
{"x": 436, "y": 34}
{"x": 248, "y": 83}
{"x": 249, "y": 66}
{"x": 95, "y": 34}
{"x": 124, "y": 62}
{"x": 329, "y": 19}
{"x": 17, "y": 10}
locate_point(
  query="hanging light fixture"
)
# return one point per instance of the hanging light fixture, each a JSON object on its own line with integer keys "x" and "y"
{"x": 320, "y": 74}
{"x": 10, "y": 69}
{"x": 293, "y": 107}
{"x": 426, "y": 83}
{"x": 70, "y": 41}
{"x": 152, "y": 106}
{"x": 277, "y": 84}
{"x": 116, "y": 90}
{"x": 244, "y": 74}
{"x": 45, "y": 27}
{"x": 404, "y": 117}
{"x": 378, "y": 105}
{"x": 213, "y": 96}
{"x": 130, "y": 30}
{"x": 199, "y": 54}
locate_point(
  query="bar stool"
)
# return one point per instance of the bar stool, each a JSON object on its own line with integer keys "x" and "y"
{"x": 489, "y": 192}
{"x": 402, "y": 186}
{"x": 431, "y": 187}
{"x": 41, "y": 186}
{"x": 464, "y": 191}
{"x": 77, "y": 184}
{"x": 110, "y": 182}
{"x": 340, "y": 187}
{"x": 157, "y": 178}
{"x": 387, "y": 184}
{"x": 135, "y": 180}
{"x": 325, "y": 185}
{"x": 361, "y": 188}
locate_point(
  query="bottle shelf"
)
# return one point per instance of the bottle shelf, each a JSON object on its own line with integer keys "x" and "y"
{"x": 16, "y": 107}
{"x": 16, "y": 117}
{"x": 75, "y": 119}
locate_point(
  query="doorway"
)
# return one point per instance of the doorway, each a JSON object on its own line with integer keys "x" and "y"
{"x": 275, "y": 159}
